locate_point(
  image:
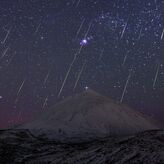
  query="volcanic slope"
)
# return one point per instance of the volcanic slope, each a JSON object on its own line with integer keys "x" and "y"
{"x": 86, "y": 116}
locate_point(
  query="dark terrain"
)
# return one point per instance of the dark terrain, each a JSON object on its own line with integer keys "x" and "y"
{"x": 20, "y": 146}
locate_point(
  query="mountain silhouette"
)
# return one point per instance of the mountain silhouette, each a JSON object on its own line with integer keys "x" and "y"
{"x": 88, "y": 115}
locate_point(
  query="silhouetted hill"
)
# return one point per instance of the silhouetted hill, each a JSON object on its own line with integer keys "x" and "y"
{"x": 88, "y": 115}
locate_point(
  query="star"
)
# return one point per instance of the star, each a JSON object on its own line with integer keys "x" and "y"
{"x": 84, "y": 42}
{"x": 42, "y": 37}
{"x": 86, "y": 88}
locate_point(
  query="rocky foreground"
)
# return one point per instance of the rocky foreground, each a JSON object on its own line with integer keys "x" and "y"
{"x": 20, "y": 146}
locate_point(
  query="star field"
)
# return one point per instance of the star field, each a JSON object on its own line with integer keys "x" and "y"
{"x": 52, "y": 49}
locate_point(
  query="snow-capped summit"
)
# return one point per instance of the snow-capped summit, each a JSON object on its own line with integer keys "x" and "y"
{"x": 89, "y": 115}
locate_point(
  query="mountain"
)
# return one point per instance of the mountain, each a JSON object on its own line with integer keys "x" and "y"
{"x": 88, "y": 115}
{"x": 20, "y": 146}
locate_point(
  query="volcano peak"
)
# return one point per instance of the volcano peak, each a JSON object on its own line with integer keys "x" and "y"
{"x": 89, "y": 115}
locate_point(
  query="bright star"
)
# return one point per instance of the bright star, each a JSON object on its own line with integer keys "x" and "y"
{"x": 86, "y": 88}
{"x": 84, "y": 42}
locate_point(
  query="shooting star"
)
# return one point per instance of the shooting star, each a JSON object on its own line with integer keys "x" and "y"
{"x": 19, "y": 90}
{"x": 79, "y": 75}
{"x": 47, "y": 76}
{"x": 125, "y": 58}
{"x": 4, "y": 53}
{"x": 124, "y": 29}
{"x": 21, "y": 86}
{"x": 37, "y": 28}
{"x": 67, "y": 74}
{"x": 8, "y": 32}
{"x": 140, "y": 33}
{"x": 125, "y": 87}
{"x": 156, "y": 75}
{"x": 79, "y": 29}
{"x": 45, "y": 103}
{"x": 162, "y": 34}
{"x": 78, "y": 3}
{"x": 39, "y": 25}
{"x": 87, "y": 32}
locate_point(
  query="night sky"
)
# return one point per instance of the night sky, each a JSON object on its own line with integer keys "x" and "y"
{"x": 50, "y": 49}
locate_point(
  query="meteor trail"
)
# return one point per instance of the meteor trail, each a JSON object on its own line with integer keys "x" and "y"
{"x": 78, "y": 3}
{"x": 4, "y": 52}
{"x": 47, "y": 76}
{"x": 21, "y": 86}
{"x": 125, "y": 58}
{"x": 67, "y": 74}
{"x": 156, "y": 75}
{"x": 8, "y": 32}
{"x": 37, "y": 28}
{"x": 88, "y": 29}
{"x": 45, "y": 102}
{"x": 79, "y": 75}
{"x": 125, "y": 87}
{"x": 162, "y": 34}
{"x": 18, "y": 93}
{"x": 140, "y": 34}
{"x": 81, "y": 25}
{"x": 123, "y": 31}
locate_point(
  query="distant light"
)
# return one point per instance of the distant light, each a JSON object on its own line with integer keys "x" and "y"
{"x": 1, "y": 97}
